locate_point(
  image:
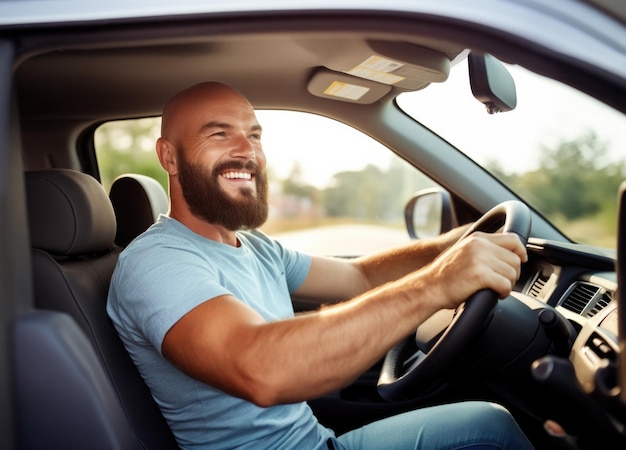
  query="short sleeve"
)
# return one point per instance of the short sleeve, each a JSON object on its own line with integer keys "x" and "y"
{"x": 296, "y": 264}
{"x": 159, "y": 285}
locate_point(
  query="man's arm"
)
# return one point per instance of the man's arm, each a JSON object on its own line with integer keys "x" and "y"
{"x": 226, "y": 344}
{"x": 338, "y": 279}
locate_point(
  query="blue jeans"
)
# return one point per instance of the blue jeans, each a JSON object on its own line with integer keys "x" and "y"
{"x": 465, "y": 425}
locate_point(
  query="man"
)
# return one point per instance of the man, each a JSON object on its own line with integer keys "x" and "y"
{"x": 204, "y": 308}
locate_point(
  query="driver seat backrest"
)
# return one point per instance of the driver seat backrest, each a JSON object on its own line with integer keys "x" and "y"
{"x": 137, "y": 200}
{"x": 72, "y": 229}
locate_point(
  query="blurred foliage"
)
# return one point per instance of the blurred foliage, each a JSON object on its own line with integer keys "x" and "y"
{"x": 575, "y": 187}
{"x": 128, "y": 147}
{"x": 373, "y": 193}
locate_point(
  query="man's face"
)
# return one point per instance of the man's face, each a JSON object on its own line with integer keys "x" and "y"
{"x": 207, "y": 200}
{"x": 219, "y": 162}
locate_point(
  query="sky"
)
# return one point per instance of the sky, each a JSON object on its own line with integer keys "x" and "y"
{"x": 315, "y": 141}
{"x": 546, "y": 113}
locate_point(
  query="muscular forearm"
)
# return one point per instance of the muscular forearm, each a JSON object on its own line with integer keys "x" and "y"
{"x": 333, "y": 280}
{"x": 305, "y": 357}
{"x": 340, "y": 342}
{"x": 392, "y": 264}
{"x": 226, "y": 344}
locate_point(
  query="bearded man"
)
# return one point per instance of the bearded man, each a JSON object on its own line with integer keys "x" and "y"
{"x": 202, "y": 303}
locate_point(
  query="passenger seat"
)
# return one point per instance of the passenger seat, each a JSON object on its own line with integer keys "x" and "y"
{"x": 72, "y": 230}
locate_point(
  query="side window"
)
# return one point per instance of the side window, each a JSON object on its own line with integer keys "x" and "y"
{"x": 333, "y": 190}
{"x": 128, "y": 146}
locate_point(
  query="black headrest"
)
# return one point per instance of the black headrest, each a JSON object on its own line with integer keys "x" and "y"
{"x": 137, "y": 201}
{"x": 69, "y": 212}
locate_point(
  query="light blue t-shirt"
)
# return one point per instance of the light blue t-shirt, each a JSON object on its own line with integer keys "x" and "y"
{"x": 164, "y": 274}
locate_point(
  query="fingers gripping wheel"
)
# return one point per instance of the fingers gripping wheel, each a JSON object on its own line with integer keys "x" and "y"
{"x": 426, "y": 368}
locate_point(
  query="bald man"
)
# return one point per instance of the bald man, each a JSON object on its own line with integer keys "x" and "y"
{"x": 202, "y": 303}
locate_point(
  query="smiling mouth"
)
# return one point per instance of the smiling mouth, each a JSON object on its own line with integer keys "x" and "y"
{"x": 246, "y": 176}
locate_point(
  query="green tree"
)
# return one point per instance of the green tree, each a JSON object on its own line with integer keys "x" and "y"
{"x": 129, "y": 147}
{"x": 573, "y": 180}
{"x": 373, "y": 194}
{"x": 295, "y": 185}
{"x": 575, "y": 187}
{"x": 355, "y": 194}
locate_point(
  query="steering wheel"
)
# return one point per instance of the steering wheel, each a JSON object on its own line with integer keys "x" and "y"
{"x": 443, "y": 338}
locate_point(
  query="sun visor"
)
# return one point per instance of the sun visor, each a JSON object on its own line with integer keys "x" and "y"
{"x": 339, "y": 86}
{"x": 400, "y": 64}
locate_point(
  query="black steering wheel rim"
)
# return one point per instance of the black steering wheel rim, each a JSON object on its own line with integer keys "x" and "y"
{"x": 465, "y": 327}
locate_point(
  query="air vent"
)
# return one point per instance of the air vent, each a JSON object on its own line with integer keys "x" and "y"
{"x": 586, "y": 299}
{"x": 536, "y": 289}
{"x": 602, "y": 303}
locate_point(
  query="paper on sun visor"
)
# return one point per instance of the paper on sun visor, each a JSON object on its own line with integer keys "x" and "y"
{"x": 346, "y": 90}
{"x": 376, "y": 68}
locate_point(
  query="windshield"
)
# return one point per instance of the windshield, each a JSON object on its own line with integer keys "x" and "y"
{"x": 559, "y": 149}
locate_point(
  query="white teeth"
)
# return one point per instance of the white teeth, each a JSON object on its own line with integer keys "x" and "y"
{"x": 237, "y": 175}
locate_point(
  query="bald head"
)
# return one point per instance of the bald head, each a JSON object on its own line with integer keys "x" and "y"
{"x": 208, "y": 133}
{"x": 193, "y": 103}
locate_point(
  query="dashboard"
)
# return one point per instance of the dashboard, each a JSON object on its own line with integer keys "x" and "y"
{"x": 578, "y": 284}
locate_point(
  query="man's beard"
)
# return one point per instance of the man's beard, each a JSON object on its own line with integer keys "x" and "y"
{"x": 208, "y": 201}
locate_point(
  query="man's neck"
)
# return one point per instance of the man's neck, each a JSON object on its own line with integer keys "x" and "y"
{"x": 217, "y": 233}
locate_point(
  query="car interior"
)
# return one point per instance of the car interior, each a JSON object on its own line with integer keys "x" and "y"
{"x": 554, "y": 352}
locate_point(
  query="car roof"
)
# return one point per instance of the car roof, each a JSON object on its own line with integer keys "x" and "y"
{"x": 169, "y": 45}
{"x": 72, "y": 11}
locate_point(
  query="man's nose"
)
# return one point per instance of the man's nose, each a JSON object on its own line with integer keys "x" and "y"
{"x": 244, "y": 148}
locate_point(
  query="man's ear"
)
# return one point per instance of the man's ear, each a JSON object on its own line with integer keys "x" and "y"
{"x": 167, "y": 154}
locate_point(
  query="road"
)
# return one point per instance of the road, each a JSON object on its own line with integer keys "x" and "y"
{"x": 343, "y": 240}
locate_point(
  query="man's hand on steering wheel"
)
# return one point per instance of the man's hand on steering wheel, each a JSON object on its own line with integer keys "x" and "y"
{"x": 479, "y": 261}
{"x": 469, "y": 278}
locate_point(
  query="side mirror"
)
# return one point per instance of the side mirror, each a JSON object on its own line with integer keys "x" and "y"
{"x": 429, "y": 213}
{"x": 492, "y": 84}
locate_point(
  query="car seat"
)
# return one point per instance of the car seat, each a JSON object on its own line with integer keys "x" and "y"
{"x": 63, "y": 395}
{"x": 72, "y": 230}
{"x": 137, "y": 201}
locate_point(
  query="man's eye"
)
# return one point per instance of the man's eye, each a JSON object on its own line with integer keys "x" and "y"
{"x": 255, "y": 136}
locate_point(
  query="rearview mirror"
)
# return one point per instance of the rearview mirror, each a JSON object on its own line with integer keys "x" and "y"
{"x": 429, "y": 213}
{"x": 492, "y": 84}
